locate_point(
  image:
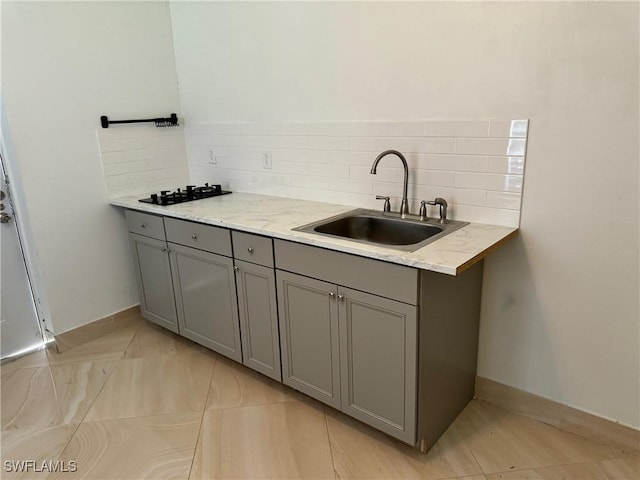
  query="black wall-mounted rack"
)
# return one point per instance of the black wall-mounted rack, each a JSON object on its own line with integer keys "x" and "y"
{"x": 171, "y": 121}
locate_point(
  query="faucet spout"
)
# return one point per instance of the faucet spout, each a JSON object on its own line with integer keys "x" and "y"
{"x": 404, "y": 206}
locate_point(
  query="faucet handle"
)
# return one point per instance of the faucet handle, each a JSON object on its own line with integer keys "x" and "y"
{"x": 423, "y": 210}
{"x": 387, "y": 204}
{"x": 443, "y": 208}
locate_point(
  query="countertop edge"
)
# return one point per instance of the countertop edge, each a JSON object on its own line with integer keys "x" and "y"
{"x": 346, "y": 246}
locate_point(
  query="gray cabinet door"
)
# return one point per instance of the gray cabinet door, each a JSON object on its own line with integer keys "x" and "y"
{"x": 258, "y": 311}
{"x": 153, "y": 273}
{"x": 309, "y": 336}
{"x": 204, "y": 286}
{"x": 378, "y": 362}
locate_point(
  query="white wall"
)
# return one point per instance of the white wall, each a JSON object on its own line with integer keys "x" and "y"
{"x": 560, "y": 312}
{"x": 63, "y": 65}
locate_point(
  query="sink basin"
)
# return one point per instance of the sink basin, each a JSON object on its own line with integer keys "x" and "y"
{"x": 373, "y": 227}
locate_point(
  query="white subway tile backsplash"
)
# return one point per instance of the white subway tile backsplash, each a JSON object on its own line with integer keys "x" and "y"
{"x": 328, "y": 170}
{"x": 247, "y": 164}
{"x": 507, "y": 200}
{"x": 354, "y": 158}
{"x": 111, "y": 169}
{"x": 140, "y": 159}
{"x": 420, "y": 192}
{"x": 387, "y": 189}
{"x": 383, "y": 174}
{"x": 350, "y": 186}
{"x": 477, "y": 165}
{"x": 512, "y": 165}
{"x": 299, "y": 168}
{"x": 290, "y": 141}
{"x": 516, "y": 146}
{"x": 439, "y": 162}
{"x": 112, "y": 157}
{"x": 432, "y": 177}
{"x": 468, "y": 196}
{"x": 302, "y": 155}
{"x": 120, "y": 144}
{"x": 457, "y": 128}
{"x": 488, "y": 181}
{"x": 482, "y": 146}
{"x": 497, "y": 216}
{"x": 470, "y": 163}
{"x": 337, "y": 129}
{"x": 305, "y": 181}
{"x": 403, "y": 144}
{"x": 198, "y": 154}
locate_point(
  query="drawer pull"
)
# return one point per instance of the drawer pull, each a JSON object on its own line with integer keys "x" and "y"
{"x": 250, "y": 250}
{"x": 143, "y": 225}
{"x": 194, "y": 236}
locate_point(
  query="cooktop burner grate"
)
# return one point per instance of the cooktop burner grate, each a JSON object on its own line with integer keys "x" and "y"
{"x": 189, "y": 194}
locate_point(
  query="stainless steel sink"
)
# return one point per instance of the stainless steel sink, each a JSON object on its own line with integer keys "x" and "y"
{"x": 388, "y": 229}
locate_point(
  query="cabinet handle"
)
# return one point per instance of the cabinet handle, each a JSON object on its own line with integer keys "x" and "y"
{"x": 194, "y": 236}
{"x": 165, "y": 249}
{"x": 250, "y": 250}
{"x": 236, "y": 268}
{"x": 341, "y": 298}
{"x": 332, "y": 294}
{"x": 143, "y": 225}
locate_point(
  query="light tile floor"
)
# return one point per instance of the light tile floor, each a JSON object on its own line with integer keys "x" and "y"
{"x": 144, "y": 403}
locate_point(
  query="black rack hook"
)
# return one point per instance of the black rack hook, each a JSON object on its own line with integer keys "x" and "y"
{"x": 171, "y": 121}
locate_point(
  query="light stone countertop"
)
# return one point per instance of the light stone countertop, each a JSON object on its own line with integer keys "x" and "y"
{"x": 276, "y": 217}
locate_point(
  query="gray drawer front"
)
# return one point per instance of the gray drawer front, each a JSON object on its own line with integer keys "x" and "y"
{"x": 196, "y": 235}
{"x": 389, "y": 280}
{"x": 145, "y": 224}
{"x": 253, "y": 248}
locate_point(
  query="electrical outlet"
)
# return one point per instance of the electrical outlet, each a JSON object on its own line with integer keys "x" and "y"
{"x": 212, "y": 156}
{"x": 266, "y": 159}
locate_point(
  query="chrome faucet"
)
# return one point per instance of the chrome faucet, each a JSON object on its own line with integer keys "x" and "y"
{"x": 404, "y": 206}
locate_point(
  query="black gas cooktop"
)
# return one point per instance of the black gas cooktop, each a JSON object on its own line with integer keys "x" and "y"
{"x": 189, "y": 194}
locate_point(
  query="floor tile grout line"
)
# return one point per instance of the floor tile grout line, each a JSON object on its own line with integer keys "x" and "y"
{"x": 597, "y": 462}
{"x": 236, "y": 407}
{"x": 75, "y": 430}
{"x": 101, "y": 388}
{"x": 123, "y": 419}
{"x": 131, "y": 340}
{"x": 23, "y": 406}
{"x": 204, "y": 411}
{"x": 87, "y": 360}
{"x": 326, "y": 429}
{"x": 470, "y": 448}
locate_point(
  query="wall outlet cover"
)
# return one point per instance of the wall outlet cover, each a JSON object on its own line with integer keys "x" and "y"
{"x": 266, "y": 159}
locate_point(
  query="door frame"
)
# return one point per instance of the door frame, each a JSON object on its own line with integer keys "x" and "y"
{"x": 17, "y": 196}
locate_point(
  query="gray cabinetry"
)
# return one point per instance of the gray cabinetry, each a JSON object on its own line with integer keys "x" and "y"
{"x": 353, "y": 350}
{"x": 392, "y": 346}
{"x": 185, "y": 279}
{"x": 205, "y": 295}
{"x": 257, "y": 304}
{"x": 257, "y": 307}
{"x": 378, "y": 361}
{"x": 153, "y": 274}
{"x": 309, "y": 336}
